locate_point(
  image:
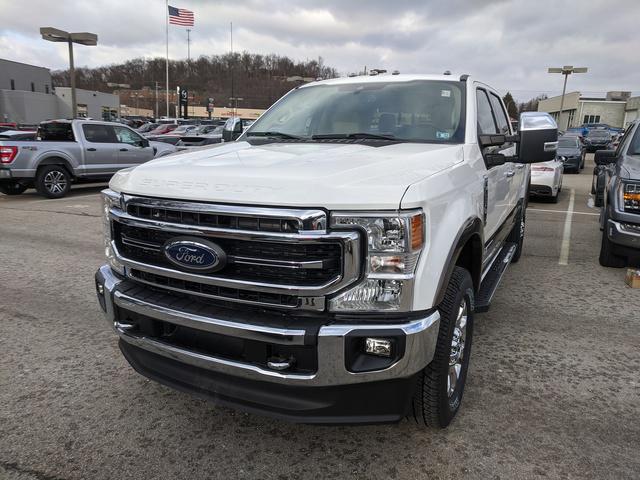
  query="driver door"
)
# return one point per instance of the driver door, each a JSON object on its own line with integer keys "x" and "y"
{"x": 132, "y": 148}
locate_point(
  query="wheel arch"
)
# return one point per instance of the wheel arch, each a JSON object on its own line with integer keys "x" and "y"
{"x": 53, "y": 160}
{"x": 466, "y": 252}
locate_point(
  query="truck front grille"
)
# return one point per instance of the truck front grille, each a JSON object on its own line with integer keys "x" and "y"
{"x": 276, "y": 257}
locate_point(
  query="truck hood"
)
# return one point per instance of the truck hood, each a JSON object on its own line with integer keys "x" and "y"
{"x": 329, "y": 175}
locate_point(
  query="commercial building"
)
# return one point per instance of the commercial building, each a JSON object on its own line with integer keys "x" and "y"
{"x": 616, "y": 109}
{"x": 28, "y": 97}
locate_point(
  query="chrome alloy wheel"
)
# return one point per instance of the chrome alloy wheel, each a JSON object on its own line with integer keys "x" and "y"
{"x": 456, "y": 356}
{"x": 55, "y": 182}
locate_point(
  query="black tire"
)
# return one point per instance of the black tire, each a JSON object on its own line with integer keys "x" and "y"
{"x": 607, "y": 256}
{"x": 598, "y": 200}
{"x": 517, "y": 235}
{"x": 554, "y": 199}
{"x": 433, "y": 406}
{"x": 13, "y": 188}
{"x": 53, "y": 181}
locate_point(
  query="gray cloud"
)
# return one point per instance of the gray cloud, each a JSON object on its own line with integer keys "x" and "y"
{"x": 509, "y": 44}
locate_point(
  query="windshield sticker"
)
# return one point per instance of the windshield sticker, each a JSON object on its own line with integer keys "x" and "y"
{"x": 445, "y": 93}
{"x": 442, "y": 135}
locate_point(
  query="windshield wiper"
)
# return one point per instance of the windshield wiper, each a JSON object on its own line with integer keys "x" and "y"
{"x": 274, "y": 134}
{"x": 355, "y": 135}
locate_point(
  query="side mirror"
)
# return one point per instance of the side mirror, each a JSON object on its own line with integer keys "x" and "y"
{"x": 538, "y": 137}
{"x": 144, "y": 143}
{"x": 604, "y": 157}
{"x": 494, "y": 159}
{"x": 237, "y": 128}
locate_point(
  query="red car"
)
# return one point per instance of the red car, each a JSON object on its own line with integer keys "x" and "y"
{"x": 162, "y": 129}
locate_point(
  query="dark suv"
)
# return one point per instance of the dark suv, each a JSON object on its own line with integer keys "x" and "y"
{"x": 597, "y": 139}
{"x": 620, "y": 215}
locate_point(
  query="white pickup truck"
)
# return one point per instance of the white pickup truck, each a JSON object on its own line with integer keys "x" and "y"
{"x": 327, "y": 266}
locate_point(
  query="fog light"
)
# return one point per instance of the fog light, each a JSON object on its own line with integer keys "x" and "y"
{"x": 378, "y": 346}
{"x": 100, "y": 288}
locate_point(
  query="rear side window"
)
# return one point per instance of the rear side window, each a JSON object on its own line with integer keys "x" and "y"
{"x": 99, "y": 133}
{"x": 56, "y": 132}
{"x": 486, "y": 123}
{"x": 501, "y": 116}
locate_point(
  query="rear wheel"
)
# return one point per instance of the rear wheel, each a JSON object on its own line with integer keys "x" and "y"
{"x": 53, "y": 181}
{"x": 441, "y": 385}
{"x": 13, "y": 188}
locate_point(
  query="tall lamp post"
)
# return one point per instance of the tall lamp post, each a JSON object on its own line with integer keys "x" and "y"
{"x": 566, "y": 71}
{"x": 83, "y": 38}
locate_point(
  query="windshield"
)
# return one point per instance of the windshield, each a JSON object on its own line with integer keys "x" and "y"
{"x": 634, "y": 148}
{"x": 567, "y": 143}
{"x": 598, "y": 133}
{"x": 417, "y": 111}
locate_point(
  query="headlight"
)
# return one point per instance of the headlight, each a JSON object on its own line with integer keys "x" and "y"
{"x": 631, "y": 197}
{"x": 394, "y": 243}
{"x": 110, "y": 200}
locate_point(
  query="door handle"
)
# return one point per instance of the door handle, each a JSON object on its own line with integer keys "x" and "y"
{"x": 91, "y": 149}
{"x": 124, "y": 149}
{"x": 510, "y": 174}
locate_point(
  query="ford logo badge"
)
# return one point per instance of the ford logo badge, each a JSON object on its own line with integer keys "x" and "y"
{"x": 195, "y": 254}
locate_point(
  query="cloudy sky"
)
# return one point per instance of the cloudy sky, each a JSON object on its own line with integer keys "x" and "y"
{"x": 508, "y": 43}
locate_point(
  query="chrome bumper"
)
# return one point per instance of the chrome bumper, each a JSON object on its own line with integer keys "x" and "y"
{"x": 620, "y": 234}
{"x": 421, "y": 337}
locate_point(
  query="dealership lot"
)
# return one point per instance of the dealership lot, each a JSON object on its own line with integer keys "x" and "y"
{"x": 553, "y": 388}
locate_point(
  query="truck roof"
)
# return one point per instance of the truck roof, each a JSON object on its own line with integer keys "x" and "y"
{"x": 407, "y": 77}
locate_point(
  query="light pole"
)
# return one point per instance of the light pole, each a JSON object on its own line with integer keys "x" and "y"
{"x": 234, "y": 103}
{"x": 83, "y": 38}
{"x": 566, "y": 71}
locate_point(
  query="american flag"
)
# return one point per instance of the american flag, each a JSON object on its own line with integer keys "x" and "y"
{"x": 180, "y": 16}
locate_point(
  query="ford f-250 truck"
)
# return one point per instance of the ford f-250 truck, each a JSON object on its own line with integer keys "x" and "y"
{"x": 72, "y": 151}
{"x": 327, "y": 266}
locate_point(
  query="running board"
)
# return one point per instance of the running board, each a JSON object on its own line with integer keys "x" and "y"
{"x": 492, "y": 279}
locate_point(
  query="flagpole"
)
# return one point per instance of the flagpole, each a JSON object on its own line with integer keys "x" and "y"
{"x": 166, "y": 12}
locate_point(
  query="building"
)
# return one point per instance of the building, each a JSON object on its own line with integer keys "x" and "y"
{"x": 28, "y": 97}
{"x": 96, "y": 105}
{"x": 616, "y": 109}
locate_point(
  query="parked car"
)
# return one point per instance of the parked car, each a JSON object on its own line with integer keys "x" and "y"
{"x": 199, "y": 140}
{"x": 182, "y": 130}
{"x": 326, "y": 267}
{"x": 597, "y": 139}
{"x": 72, "y": 151}
{"x": 18, "y": 135}
{"x": 572, "y": 153}
{"x": 147, "y": 127}
{"x": 165, "y": 138}
{"x": 234, "y": 127}
{"x": 546, "y": 179}
{"x": 620, "y": 214}
{"x": 161, "y": 129}
{"x": 208, "y": 129}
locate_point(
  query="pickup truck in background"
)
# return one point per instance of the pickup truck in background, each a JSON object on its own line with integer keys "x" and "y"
{"x": 617, "y": 183}
{"x": 328, "y": 265}
{"x": 69, "y": 151}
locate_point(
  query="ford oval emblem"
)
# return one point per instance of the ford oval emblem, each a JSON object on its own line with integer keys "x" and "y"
{"x": 195, "y": 254}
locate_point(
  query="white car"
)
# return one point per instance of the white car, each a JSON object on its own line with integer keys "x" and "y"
{"x": 546, "y": 179}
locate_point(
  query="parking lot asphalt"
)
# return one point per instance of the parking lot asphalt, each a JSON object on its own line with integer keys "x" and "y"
{"x": 553, "y": 388}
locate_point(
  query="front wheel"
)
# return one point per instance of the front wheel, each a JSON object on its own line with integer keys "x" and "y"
{"x": 608, "y": 258}
{"x": 441, "y": 385}
{"x": 13, "y": 188}
{"x": 53, "y": 181}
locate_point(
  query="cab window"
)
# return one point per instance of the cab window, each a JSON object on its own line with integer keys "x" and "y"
{"x": 486, "y": 122}
{"x": 124, "y": 135}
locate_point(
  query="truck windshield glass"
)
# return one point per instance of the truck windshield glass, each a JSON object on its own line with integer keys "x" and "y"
{"x": 417, "y": 111}
{"x": 634, "y": 148}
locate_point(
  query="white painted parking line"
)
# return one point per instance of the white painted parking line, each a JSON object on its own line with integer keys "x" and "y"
{"x": 561, "y": 211}
{"x": 566, "y": 235}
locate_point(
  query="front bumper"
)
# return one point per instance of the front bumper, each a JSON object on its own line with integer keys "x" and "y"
{"x": 332, "y": 393}
{"x": 624, "y": 234}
